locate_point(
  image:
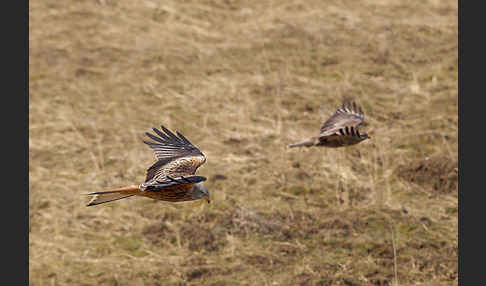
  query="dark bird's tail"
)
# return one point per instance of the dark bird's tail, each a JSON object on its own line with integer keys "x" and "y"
{"x": 307, "y": 143}
{"x": 112, "y": 195}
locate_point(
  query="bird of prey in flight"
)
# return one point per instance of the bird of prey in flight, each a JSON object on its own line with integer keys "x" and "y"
{"x": 341, "y": 129}
{"x": 171, "y": 178}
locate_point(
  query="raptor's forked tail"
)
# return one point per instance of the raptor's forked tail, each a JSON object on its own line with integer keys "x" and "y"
{"x": 112, "y": 195}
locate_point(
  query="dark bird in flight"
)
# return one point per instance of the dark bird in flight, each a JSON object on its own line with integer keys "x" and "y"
{"x": 171, "y": 178}
{"x": 341, "y": 129}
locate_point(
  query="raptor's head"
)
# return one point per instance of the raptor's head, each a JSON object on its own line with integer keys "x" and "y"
{"x": 200, "y": 191}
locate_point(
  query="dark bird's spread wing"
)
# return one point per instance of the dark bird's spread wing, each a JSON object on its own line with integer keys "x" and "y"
{"x": 175, "y": 154}
{"x": 344, "y": 136}
{"x": 349, "y": 114}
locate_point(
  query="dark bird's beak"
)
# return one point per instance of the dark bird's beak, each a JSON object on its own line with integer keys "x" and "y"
{"x": 368, "y": 134}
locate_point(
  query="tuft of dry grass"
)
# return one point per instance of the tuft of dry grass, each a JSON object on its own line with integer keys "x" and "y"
{"x": 241, "y": 80}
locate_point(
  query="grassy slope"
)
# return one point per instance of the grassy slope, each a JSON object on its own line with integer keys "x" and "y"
{"x": 241, "y": 80}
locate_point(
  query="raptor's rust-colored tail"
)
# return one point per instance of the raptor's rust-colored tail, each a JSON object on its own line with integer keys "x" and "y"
{"x": 306, "y": 143}
{"x": 112, "y": 195}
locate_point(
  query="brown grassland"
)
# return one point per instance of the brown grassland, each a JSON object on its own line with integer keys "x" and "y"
{"x": 241, "y": 80}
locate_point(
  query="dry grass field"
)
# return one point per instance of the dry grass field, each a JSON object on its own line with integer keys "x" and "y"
{"x": 242, "y": 80}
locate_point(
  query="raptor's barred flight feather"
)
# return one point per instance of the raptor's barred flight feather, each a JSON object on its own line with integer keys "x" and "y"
{"x": 176, "y": 156}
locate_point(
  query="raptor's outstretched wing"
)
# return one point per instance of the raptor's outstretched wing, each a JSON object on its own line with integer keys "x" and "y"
{"x": 176, "y": 156}
{"x": 349, "y": 114}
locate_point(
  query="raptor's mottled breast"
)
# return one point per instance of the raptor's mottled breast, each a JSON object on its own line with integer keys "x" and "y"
{"x": 179, "y": 193}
